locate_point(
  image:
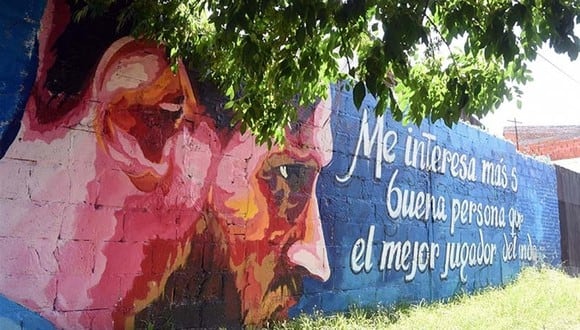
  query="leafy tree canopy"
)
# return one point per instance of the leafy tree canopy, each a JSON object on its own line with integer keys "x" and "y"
{"x": 435, "y": 59}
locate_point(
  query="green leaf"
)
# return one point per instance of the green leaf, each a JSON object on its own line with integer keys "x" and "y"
{"x": 230, "y": 93}
{"x": 229, "y": 105}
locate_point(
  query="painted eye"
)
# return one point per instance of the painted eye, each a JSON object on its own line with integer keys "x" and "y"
{"x": 171, "y": 107}
{"x": 296, "y": 176}
{"x": 283, "y": 171}
{"x": 289, "y": 186}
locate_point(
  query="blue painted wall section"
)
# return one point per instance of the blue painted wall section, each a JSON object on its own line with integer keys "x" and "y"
{"x": 19, "y": 24}
{"x": 15, "y": 316}
{"x": 414, "y": 213}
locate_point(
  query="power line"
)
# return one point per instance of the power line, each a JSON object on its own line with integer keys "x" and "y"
{"x": 558, "y": 68}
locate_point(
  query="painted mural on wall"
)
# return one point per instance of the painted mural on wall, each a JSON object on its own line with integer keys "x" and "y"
{"x": 426, "y": 212}
{"x": 129, "y": 200}
{"x": 129, "y": 194}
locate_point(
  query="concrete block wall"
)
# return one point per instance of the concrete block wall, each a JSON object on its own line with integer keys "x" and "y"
{"x": 127, "y": 203}
{"x": 521, "y": 190}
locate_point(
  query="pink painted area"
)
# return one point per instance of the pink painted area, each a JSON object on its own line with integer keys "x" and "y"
{"x": 85, "y": 222}
{"x": 35, "y": 291}
{"x": 95, "y": 319}
{"x": 12, "y": 187}
{"x": 44, "y": 218}
{"x": 27, "y": 257}
{"x": 315, "y": 137}
{"x": 70, "y": 295}
{"x": 77, "y": 259}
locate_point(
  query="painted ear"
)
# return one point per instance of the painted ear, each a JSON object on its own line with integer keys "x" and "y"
{"x": 140, "y": 106}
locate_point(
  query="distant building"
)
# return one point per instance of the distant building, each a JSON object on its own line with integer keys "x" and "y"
{"x": 560, "y": 143}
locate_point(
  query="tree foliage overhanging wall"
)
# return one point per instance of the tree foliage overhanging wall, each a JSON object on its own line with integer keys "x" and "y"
{"x": 437, "y": 59}
{"x": 128, "y": 200}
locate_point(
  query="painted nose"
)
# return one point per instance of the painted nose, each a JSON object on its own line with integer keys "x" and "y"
{"x": 310, "y": 252}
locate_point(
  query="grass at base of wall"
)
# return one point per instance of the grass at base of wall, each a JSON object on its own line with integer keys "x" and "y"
{"x": 539, "y": 299}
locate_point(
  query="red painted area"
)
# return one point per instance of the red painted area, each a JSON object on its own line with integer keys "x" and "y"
{"x": 47, "y": 112}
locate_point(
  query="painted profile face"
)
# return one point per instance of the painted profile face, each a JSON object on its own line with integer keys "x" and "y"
{"x": 266, "y": 202}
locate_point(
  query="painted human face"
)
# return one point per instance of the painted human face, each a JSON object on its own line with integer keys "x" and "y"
{"x": 265, "y": 201}
{"x": 269, "y": 213}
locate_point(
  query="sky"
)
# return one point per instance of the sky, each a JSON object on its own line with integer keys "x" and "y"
{"x": 552, "y": 98}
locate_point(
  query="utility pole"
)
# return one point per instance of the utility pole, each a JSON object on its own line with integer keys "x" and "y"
{"x": 516, "y": 129}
